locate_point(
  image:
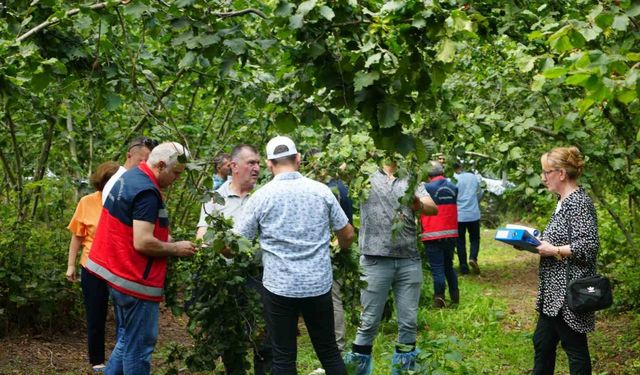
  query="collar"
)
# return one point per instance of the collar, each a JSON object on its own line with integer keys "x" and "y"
{"x": 146, "y": 170}
{"x": 287, "y": 176}
{"x": 436, "y": 178}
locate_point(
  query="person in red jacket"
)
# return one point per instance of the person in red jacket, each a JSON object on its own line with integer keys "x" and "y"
{"x": 439, "y": 234}
{"x": 130, "y": 253}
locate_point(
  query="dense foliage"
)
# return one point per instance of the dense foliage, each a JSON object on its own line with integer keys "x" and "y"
{"x": 493, "y": 82}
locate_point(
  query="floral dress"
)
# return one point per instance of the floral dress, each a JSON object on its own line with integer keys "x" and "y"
{"x": 574, "y": 223}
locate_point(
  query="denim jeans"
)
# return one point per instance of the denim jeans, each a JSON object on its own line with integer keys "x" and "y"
{"x": 473, "y": 227}
{"x": 404, "y": 275}
{"x": 440, "y": 255}
{"x": 549, "y": 331}
{"x": 282, "y": 322}
{"x": 137, "y": 335}
{"x": 96, "y": 302}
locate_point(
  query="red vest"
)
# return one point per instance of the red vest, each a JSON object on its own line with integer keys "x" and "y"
{"x": 445, "y": 223}
{"x": 112, "y": 256}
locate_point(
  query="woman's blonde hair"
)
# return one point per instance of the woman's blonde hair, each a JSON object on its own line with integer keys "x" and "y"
{"x": 568, "y": 158}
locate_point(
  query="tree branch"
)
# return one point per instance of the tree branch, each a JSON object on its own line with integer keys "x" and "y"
{"x": 237, "y": 13}
{"x": 69, "y": 13}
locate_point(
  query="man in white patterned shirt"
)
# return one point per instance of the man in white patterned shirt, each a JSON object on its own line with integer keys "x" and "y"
{"x": 294, "y": 216}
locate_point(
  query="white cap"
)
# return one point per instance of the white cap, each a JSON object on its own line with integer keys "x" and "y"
{"x": 280, "y": 141}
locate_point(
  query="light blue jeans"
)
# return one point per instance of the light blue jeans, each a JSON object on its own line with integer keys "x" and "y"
{"x": 404, "y": 275}
{"x": 137, "y": 334}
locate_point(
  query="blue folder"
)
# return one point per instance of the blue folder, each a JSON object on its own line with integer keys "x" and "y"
{"x": 519, "y": 238}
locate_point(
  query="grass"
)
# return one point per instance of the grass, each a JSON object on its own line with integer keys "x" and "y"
{"x": 490, "y": 331}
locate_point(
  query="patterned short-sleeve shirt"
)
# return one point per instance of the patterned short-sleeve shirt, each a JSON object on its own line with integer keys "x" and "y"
{"x": 293, "y": 216}
{"x": 377, "y": 215}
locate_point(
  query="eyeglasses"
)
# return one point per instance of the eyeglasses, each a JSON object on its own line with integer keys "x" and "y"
{"x": 546, "y": 173}
{"x": 147, "y": 142}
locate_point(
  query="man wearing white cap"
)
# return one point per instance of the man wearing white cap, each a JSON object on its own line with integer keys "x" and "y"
{"x": 293, "y": 216}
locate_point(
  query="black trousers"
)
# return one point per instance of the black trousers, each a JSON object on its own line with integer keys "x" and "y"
{"x": 96, "y": 302}
{"x": 282, "y": 314}
{"x": 551, "y": 330}
{"x": 473, "y": 227}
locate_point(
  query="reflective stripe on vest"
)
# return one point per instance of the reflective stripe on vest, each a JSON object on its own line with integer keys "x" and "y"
{"x": 439, "y": 233}
{"x": 121, "y": 282}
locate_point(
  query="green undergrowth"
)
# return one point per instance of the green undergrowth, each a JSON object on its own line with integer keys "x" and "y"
{"x": 490, "y": 331}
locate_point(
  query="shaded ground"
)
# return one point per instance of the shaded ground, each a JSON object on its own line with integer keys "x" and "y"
{"x": 65, "y": 352}
{"x": 615, "y": 346}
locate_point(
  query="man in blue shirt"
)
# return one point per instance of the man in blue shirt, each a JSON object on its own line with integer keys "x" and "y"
{"x": 222, "y": 165}
{"x": 469, "y": 195}
{"x": 294, "y": 216}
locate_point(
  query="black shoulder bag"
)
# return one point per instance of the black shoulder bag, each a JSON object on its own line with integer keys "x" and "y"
{"x": 588, "y": 294}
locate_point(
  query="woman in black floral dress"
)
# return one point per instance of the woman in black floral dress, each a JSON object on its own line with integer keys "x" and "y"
{"x": 568, "y": 251}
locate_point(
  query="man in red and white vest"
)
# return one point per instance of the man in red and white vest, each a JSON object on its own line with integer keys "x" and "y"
{"x": 439, "y": 234}
{"x": 130, "y": 253}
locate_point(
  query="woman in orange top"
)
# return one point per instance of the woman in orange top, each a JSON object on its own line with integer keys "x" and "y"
{"x": 96, "y": 294}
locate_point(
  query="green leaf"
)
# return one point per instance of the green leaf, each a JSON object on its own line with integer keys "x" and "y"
{"x": 113, "y": 101}
{"x": 237, "y": 45}
{"x": 447, "y": 51}
{"x": 137, "y": 9}
{"x": 184, "y": 3}
{"x": 392, "y": 6}
{"x": 364, "y": 79}
{"x": 584, "y": 104}
{"x": 284, "y": 9}
{"x": 373, "y": 59}
{"x": 296, "y": 21}
{"x": 633, "y": 56}
{"x": 538, "y": 82}
{"x": 286, "y": 122}
{"x": 305, "y": 7}
{"x": 327, "y": 12}
{"x": 617, "y": 164}
{"x": 555, "y": 72}
{"x": 577, "y": 79}
{"x": 590, "y": 33}
{"x": 40, "y": 81}
{"x": 187, "y": 60}
{"x": 627, "y": 96}
{"x": 388, "y": 114}
{"x": 620, "y": 23}
{"x": 634, "y": 10}
{"x": 515, "y": 153}
{"x": 604, "y": 20}
{"x": 562, "y": 44}
{"x": 526, "y": 63}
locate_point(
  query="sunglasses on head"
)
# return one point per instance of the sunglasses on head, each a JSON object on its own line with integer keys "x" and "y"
{"x": 147, "y": 142}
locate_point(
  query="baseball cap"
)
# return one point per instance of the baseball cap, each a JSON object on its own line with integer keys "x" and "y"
{"x": 280, "y": 147}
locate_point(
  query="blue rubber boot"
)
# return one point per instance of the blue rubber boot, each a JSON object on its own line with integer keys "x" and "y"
{"x": 401, "y": 362}
{"x": 358, "y": 364}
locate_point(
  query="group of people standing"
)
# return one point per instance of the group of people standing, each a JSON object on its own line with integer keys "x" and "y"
{"x": 292, "y": 218}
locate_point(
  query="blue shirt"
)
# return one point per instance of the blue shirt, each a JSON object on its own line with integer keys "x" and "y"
{"x": 293, "y": 216}
{"x": 469, "y": 193}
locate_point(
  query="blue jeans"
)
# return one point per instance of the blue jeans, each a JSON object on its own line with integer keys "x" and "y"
{"x": 404, "y": 275}
{"x": 137, "y": 334}
{"x": 473, "y": 227}
{"x": 440, "y": 255}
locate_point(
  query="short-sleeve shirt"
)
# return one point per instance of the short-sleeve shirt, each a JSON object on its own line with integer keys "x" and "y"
{"x": 232, "y": 208}
{"x": 377, "y": 216}
{"x": 85, "y": 221}
{"x": 468, "y": 195}
{"x": 112, "y": 181}
{"x": 293, "y": 216}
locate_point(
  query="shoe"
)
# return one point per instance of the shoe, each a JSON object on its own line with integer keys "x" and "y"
{"x": 98, "y": 368}
{"x": 358, "y": 364}
{"x": 438, "y": 301}
{"x": 402, "y": 362}
{"x": 474, "y": 266}
{"x": 455, "y": 296}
